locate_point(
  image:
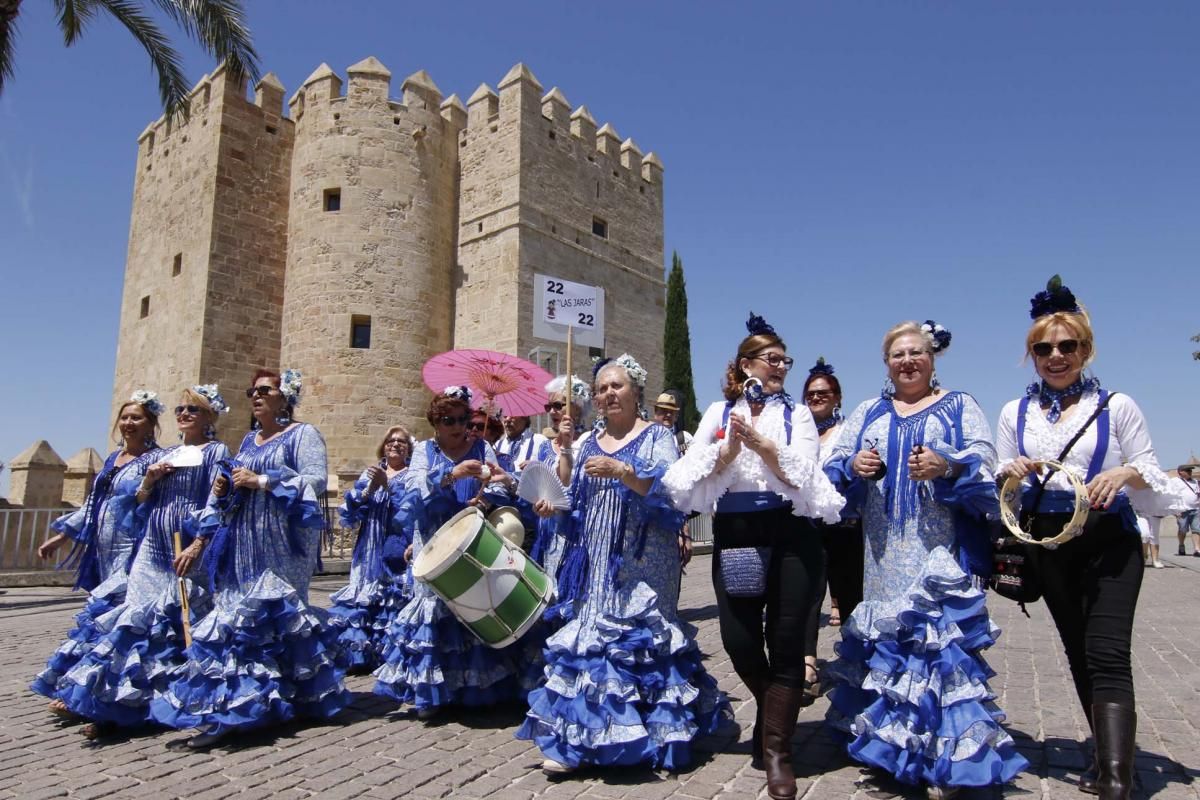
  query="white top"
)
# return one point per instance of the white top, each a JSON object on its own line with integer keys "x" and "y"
{"x": 524, "y": 448}
{"x": 694, "y": 487}
{"x": 829, "y": 442}
{"x": 1128, "y": 443}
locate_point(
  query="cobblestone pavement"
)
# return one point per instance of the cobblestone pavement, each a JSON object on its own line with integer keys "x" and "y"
{"x": 375, "y": 751}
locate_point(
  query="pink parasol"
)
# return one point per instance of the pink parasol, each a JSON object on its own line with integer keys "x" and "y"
{"x": 497, "y": 380}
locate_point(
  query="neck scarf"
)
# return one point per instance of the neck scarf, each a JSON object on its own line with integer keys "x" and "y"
{"x": 1038, "y": 390}
{"x": 754, "y": 394}
{"x": 830, "y": 421}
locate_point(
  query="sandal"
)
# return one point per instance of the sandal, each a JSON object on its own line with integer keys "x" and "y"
{"x": 835, "y": 619}
{"x": 97, "y": 730}
{"x": 59, "y": 709}
{"x": 812, "y": 687}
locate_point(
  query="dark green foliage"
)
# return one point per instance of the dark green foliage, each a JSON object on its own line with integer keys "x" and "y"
{"x": 677, "y": 346}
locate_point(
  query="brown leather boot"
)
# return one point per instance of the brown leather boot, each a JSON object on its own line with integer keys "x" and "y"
{"x": 782, "y": 706}
{"x": 1116, "y": 728}
{"x": 757, "y": 684}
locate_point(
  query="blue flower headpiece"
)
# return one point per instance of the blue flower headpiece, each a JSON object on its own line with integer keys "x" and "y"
{"x": 757, "y": 326}
{"x": 941, "y": 336}
{"x": 459, "y": 393}
{"x": 1055, "y": 298}
{"x": 637, "y": 373}
{"x": 821, "y": 368}
{"x": 290, "y": 384}
{"x": 149, "y": 401}
{"x": 209, "y": 392}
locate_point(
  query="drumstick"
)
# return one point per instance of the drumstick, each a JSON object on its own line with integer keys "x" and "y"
{"x": 184, "y": 609}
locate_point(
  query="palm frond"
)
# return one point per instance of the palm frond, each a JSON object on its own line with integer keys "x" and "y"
{"x": 73, "y": 17}
{"x": 220, "y": 27}
{"x": 172, "y": 85}
{"x": 9, "y": 9}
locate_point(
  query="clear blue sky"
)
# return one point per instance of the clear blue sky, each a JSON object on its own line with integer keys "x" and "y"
{"x": 835, "y": 166}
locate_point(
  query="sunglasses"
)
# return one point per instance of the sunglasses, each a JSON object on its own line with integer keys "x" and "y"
{"x": 448, "y": 421}
{"x": 397, "y": 442}
{"x": 476, "y": 426}
{"x": 1044, "y": 349}
{"x": 261, "y": 391}
{"x": 189, "y": 409}
{"x": 818, "y": 394}
{"x": 774, "y": 360}
{"x": 555, "y": 406}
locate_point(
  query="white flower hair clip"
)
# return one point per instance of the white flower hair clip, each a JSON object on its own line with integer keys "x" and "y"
{"x": 939, "y": 334}
{"x": 290, "y": 384}
{"x": 210, "y": 393}
{"x": 459, "y": 392}
{"x": 636, "y": 371}
{"x": 148, "y": 400}
{"x": 580, "y": 393}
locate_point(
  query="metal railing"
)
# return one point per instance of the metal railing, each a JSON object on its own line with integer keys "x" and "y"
{"x": 21, "y": 531}
{"x": 700, "y": 529}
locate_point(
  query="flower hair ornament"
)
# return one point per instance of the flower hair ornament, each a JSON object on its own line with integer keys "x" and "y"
{"x": 149, "y": 401}
{"x": 458, "y": 393}
{"x": 210, "y": 393}
{"x": 580, "y": 393}
{"x": 637, "y": 373}
{"x": 821, "y": 368}
{"x": 757, "y": 326}
{"x": 1054, "y": 299}
{"x": 941, "y": 336}
{"x": 290, "y": 384}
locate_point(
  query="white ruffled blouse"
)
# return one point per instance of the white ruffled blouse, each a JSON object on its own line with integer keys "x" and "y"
{"x": 1128, "y": 444}
{"x": 694, "y": 487}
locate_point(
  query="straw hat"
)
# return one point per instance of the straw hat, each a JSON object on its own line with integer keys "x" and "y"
{"x": 666, "y": 400}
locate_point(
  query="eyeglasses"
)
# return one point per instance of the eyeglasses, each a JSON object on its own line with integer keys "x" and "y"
{"x": 262, "y": 391}
{"x": 448, "y": 421}
{"x": 817, "y": 394}
{"x": 774, "y": 360}
{"x": 1044, "y": 349}
{"x": 189, "y": 409}
{"x": 396, "y": 442}
{"x": 900, "y": 355}
{"x": 555, "y": 406}
{"x": 475, "y": 426}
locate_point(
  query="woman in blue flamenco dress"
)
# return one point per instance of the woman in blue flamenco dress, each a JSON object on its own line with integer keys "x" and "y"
{"x": 623, "y": 684}
{"x": 363, "y": 609}
{"x": 911, "y": 689}
{"x": 142, "y": 641}
{"x": 431, "y": 660}
{"x": 558, "y": 453}
{"x": 103, "y": 539}
{"x": 263, "y": 655}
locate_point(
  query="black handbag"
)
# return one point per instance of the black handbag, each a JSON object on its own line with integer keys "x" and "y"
{"x": 1014, "y": 563}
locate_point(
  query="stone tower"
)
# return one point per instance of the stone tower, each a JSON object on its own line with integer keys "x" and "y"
{"x": 542, "y": 190}
{"x": 203, "y": 294}
{"x": 371, "y": 249}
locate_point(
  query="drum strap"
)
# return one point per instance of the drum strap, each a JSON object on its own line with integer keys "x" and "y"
{"x": 787, "y": 418}
{"x": 1102, "y": 435}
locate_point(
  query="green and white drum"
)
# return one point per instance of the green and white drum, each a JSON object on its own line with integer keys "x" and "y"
{"x": 486, "y": 581}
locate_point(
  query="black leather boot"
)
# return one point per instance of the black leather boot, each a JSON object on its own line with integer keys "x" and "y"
{"x": 782, "y": 706}
{"x": 1116, "y": 728}
{"x": 1089, "y": 780}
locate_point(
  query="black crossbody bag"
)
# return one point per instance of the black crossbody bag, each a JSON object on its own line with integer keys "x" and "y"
{"x": 1014, "y": 570}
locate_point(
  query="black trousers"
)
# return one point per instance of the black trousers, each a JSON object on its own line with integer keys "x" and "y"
{"x": 843, "y": 574}
{"x": 765, "y": 635}
{"x": 1091, "y": 586}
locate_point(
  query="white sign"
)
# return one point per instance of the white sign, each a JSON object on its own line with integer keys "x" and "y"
{"x": 563, "y": 303}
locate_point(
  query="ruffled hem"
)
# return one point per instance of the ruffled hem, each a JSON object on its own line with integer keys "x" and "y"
{"x": 267, "y": 658}
{"x": 631, "y": 690}
{"x": 810, "y": 492}
{"x": 134, "y": 661}
{"x": 911, "y": 688}
{"x": 81, "y": 639}
{"x": 361, "y": 614}
{"x": 690, "y": 480}
{"x": 431, "y": 659}
{"x": 295, "y": 497}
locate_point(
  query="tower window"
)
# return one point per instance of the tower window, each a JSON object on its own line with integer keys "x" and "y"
{"x": 333, "y": 200}
{"x": 600, "y": 227}
{"x": 360, "y": 332}
{"x": 145, "y": 310}
{"x": 177, "y": 264}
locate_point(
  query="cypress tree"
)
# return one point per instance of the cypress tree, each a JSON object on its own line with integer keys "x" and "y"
{"x": 677, "y": 346}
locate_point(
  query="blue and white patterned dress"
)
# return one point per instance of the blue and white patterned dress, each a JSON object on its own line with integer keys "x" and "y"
{"x": 142, "y": 638}
{"x": 431, "y": 659}
{"x": 263, "y": 654}
{"x": 363, "y": 609}
{"x": 623, "y": 680}
{"x": 911, "y": 683}
{"x": 550, "y": 544}
{"x": 104, "y": 542}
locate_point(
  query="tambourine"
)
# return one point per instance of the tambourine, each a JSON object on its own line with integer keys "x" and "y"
{"x": 1010, "y": 507}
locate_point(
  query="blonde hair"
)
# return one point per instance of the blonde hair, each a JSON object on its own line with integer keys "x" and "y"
{"x": 1078, "y": 323}
{"x": 904, "y": 329}
{"x": 388, "y": 434}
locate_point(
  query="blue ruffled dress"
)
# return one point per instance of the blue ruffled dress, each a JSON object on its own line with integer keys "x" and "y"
{"x": 142, "y": 641}
{"x": 363, "y": 609}
{"x": 104, "y": 543}
{"x": 431, "y": 659}
{"x": 263, "y": 655}
{"x": 911, "y": 690}
{"x": 623, "y": 682}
